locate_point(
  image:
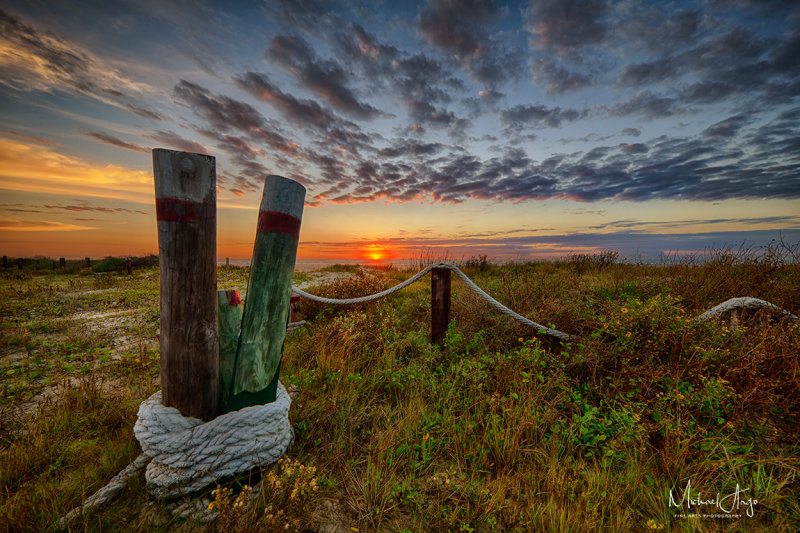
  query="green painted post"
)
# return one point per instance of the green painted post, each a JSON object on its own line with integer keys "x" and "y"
{"x": 230, "y": 323}
{"x": 266, "y": 308}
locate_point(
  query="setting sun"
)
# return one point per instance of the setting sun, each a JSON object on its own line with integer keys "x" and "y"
{"x": 375, "y": 252}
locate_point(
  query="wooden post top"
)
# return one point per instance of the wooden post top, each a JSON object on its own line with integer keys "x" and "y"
{"x": 282, "y": 195}
{"x": 186, "y": 166}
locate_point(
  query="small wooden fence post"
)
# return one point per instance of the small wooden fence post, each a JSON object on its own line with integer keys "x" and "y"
{"x": 186, "y": 197}
{"x": 19, "y": 263}
{"x": 5, "y": 261}
{"x": 266, "y": 307}
{"x": 128, "y": 265}
{"x": 62, "y": 262}
{"x": 440, "y": 304}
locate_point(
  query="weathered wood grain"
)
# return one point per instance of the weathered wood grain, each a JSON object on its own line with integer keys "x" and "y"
{"x": 266, "y": 308}
{"x": 185, "y": 186}
{"x": 440, "y": 304}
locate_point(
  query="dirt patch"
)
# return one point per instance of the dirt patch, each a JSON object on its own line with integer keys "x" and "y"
{"x": 26, "y": 410}
{"x": 96, "y": 316}
{"x": 321, "y": 278}
{"x": 13, "y": 357}
{"x": 92, "y": 291}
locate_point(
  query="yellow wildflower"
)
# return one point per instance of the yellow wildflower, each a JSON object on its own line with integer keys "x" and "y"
{"x": 652, "y": 524}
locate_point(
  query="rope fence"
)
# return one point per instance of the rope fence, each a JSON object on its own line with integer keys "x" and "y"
{"x": 718, "y": 310}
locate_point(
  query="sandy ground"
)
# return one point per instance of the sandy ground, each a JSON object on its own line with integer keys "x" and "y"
{"x": 319, "y": 278}
{"x": 116, "y": 323}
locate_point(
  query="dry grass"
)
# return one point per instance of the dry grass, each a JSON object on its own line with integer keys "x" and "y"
{"x": 498, "y": 430}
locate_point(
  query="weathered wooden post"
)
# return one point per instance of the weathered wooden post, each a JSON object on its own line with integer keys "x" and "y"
{"x": 185, "y": 186}
{"x": 88, "y": 263}
{"x": 19, "y": 263}
{"x": 54, "y": 264}
{"x": 62, "y": 262}
{"x": 266, "y": 308}
{"x": 440, "y": 304}
{"x": 5, "y": 261}
{"x": 227, "y": 262}
{"x": 128, "y": 265}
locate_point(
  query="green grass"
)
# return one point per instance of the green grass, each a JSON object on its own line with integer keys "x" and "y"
{"x": 500, "y": 429}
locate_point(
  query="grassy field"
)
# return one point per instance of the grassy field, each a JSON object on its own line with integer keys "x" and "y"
{"x": 498, "y": 430}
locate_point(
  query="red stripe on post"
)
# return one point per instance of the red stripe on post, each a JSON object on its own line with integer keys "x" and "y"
{"x": 275, "y": 222}
{"x": 233, "y": 298}
{"x": 178, "y": 210}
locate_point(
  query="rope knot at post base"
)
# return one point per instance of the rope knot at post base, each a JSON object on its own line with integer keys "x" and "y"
{"x": 189, "y": 454}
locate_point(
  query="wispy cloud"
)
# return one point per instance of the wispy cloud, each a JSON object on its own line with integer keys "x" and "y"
{"x": 34, "y": 168}
{"x": 325, "y": 78}
{"x": 86, "y": 206}
{"x": 302, "y": 112}
{"x": 173, "y": 140}
{"x": 34, "y": 60}
{"x": 107, "y": 138}
{"x": 9, "y": 224}
{"x": 227, "y": 114}
{"x": 28, "y": 138}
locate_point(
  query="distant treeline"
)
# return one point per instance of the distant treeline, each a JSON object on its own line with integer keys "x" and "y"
{"x": 106, "y": 264}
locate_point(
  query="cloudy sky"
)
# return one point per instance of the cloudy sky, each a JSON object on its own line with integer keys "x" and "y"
{"x": 514, "y": 129}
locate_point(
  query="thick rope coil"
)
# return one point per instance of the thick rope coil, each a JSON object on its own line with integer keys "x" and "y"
{"x": 189, "y": 454}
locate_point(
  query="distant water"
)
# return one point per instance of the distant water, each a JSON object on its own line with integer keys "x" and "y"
{"x": 302, "y": 265}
